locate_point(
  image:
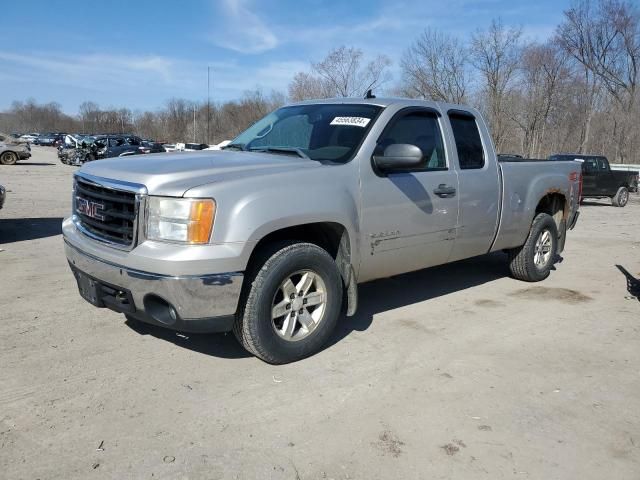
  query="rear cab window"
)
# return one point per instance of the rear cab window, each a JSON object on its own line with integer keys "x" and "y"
{"x": 467, "y": 139}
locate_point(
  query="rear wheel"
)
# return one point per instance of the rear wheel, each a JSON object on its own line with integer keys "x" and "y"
{"x": 292, "y": 304}
{"x": 621, "y": 197}
{"x": 533, "y": 261}
{"x": 8, "y": 158}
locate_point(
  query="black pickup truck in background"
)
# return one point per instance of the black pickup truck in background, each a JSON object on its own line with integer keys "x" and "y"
{"x": 600, "y": 181}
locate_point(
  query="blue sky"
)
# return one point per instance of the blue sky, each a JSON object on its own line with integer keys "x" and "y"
{"x": 140, "y": 53}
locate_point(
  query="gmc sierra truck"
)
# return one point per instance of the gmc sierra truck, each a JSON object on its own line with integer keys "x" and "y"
{"x": 271, "y": 236}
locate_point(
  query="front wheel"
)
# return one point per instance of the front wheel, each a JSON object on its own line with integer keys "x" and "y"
{"x": 621, "y": 197}
{"x": 533, "y": 261}
{"x": 291, "y": 305}
{"x": 8, "y": 158}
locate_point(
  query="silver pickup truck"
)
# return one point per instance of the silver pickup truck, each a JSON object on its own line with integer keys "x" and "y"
{"x": 271, "y": 236}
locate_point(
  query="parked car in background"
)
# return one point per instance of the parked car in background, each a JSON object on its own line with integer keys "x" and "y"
{"x": 600, "y": 181}
{"x": 151, "y": 146}
{"x": 270, "y": 237}
{"x": 12, "y": 150}
{"x": 194, "y": 147}
{"x": 49, "y": 139}
{"x": 169, "y": 147}
{"x": 219, "y": 146}
{"x": 29, "y": 137}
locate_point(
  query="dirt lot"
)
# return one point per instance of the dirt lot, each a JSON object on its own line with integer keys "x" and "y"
{"x": 453, "y": 372}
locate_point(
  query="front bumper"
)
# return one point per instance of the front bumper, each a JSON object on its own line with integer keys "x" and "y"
{"x": 24, "y": 155}
{"x": 200, "y": 303}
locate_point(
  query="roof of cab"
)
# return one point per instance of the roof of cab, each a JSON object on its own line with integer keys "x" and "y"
{"x": 387, "y": 101}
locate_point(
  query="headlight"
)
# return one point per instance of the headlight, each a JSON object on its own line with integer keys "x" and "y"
{"x": 186, "y": 220}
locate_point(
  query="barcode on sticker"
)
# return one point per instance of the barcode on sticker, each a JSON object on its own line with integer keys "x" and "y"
{"x": 351, "y": 121}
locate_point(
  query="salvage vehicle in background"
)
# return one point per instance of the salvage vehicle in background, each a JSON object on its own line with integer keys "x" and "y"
{"x": 97, "y": 147}
{"x": 271, "y": 235}
{"x": 13, "y": 149}
{"x": 150, "y": 146}
{"x": 48, "y": 139}
{"x": 29, "y": 137}
{"x": 600, "y": 181}
{"x": 169, "y": 147}
{"x": 195, "y": 147}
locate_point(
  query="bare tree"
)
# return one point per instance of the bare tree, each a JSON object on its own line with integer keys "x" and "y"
{"x": 341, "y": 74}
{"x": 495, "y": 54}
{"x": 306, "y": 86}
{"x": 605, "y": 40}
{"x": 543, "y": 75}
{"x": 434, "y": 67}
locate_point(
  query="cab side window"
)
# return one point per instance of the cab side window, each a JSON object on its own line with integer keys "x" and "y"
{"x": 602, "y": 165}
{"x": 420, "y": 129}
{"x": 590, "y": 165}
{"x": 468, "y": 141}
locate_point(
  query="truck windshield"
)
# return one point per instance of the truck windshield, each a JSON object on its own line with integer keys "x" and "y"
{"x": 324, "y": 132}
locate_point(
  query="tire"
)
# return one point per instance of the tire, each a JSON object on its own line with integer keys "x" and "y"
{"x": 277, "y": 339}
{"x": 8, "y": 158}
{"x": 621, "y": 198}
{"x": 524, "y": 262}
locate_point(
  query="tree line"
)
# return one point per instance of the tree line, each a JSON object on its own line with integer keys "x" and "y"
{"x": 575, "y": 92}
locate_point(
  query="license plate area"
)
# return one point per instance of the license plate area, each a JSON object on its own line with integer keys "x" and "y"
{"x": 102, "y": 294}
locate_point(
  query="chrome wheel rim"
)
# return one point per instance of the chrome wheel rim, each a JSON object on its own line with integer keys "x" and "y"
{"x": 624, "y": 196}
{"x": 299, "y": 305}
{"x": 542, "y": 250}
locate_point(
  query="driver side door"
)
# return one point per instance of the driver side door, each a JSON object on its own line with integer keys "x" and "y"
{"x": 409, "y": 218}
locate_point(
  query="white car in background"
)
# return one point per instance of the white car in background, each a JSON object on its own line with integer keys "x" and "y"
{"x": 219, "y": 146}
{"x": 29, "y": 137}
{"x": 194, "y": 147}
{"x": 169, "y": 147}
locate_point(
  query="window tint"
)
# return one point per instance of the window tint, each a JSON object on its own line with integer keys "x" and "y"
{"x": 589, "y": 165}
{"x": 468, "y": 142}
{"x": 293, "y": 131}
{"x": 602, "y": 164}
{"x": 420, "y": 129}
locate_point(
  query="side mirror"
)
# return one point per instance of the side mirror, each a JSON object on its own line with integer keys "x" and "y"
{"x": 400, "y": 156}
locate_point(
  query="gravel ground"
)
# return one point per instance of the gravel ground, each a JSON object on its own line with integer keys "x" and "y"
{"x": 452, "y": 372}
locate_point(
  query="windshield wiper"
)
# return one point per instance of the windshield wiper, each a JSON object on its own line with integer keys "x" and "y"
{"x": 285, "y": 150}
{"x": 235, "y": 146}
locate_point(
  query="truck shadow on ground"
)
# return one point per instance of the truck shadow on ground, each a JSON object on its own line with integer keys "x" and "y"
{"x": 20, "y": 229}
{"x": 34, "y": 164}
{"x": 223, "y": 345}
{"x": 633, "y": 284}
{"x": 402, "y": 290}
{"x": 374, "y": 297}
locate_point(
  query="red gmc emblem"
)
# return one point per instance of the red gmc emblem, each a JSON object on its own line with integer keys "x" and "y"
{"x": 89, "y": 208}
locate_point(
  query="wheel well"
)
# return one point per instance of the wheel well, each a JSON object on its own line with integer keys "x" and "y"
{"x": 555, "y": 204}
{"x": 331, "y": 236}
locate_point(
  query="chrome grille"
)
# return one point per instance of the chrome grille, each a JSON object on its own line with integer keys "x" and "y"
{"x": 105, "y": 212}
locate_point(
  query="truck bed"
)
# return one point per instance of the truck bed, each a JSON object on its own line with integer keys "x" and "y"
{"x": 523, "y": 182}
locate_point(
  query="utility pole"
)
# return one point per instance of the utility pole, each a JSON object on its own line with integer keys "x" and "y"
{"x": 194, "y": 123}
{"x": 208, "y": 105}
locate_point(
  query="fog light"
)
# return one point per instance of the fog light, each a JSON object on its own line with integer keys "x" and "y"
{"x": 173, "y": 314}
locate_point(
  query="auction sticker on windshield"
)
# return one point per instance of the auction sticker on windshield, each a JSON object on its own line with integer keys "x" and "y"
{"x": 351, "y": 121}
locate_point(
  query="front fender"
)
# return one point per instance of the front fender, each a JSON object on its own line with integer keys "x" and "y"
{"x": 249, "y": 209}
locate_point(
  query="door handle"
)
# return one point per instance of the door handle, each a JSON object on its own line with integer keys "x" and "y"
{"x": 445, "y": 191}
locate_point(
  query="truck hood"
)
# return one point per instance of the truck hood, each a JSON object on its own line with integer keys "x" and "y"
{"x": 172, "y": 174}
